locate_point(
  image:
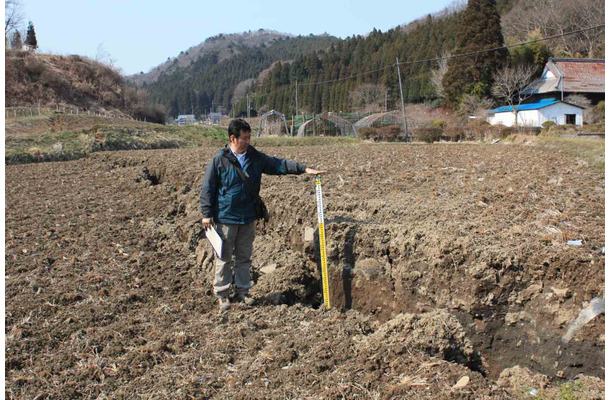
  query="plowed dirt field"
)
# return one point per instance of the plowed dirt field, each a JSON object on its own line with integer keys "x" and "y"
{"x": 447, "y": 263}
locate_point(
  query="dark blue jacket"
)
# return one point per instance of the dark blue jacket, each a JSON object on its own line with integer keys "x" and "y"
{"x": 224, "y": 195}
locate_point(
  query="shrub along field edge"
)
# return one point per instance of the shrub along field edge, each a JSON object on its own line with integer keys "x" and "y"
{"x": 70, "y": 145}
{"x": 74, "y": 144}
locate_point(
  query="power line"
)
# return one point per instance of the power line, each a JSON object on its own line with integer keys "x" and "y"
{"x": 502, "y": 47}
{"x": 438, "y": 59}
{"x": 458, "y": 55}
{"x": 349, "y": 77}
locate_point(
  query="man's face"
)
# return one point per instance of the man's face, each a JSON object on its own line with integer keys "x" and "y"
{"x": 240, "y": 145}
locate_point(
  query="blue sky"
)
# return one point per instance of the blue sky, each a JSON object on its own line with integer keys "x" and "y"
{"x": 139, "y": 35}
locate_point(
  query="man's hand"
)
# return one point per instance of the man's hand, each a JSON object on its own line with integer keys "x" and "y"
{"x": 313, "y": 171}
{"x": 206, "y": 222}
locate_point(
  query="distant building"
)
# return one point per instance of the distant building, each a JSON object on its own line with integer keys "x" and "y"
{"x": 534, "y": 114}
{"x": 186, "y": 119}
{"x": 565, "y": 76}
{"x": 215, "y": 118}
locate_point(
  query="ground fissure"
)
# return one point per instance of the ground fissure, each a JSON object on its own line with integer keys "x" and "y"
{"x": 444, "y": 261}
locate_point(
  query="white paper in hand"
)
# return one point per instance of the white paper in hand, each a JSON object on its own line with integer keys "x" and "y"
{"x": 215, "y": 240}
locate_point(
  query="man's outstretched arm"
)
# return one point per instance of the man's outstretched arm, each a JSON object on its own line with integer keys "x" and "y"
{"x": 314, "y": 171}
{"x": 279, "y": 166}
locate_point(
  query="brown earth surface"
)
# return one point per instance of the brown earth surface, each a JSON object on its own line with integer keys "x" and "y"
{"x": 41, "y": 124}
{"x": 447, "y": 263}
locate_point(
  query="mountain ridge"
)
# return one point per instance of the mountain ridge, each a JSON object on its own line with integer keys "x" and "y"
{"x": 226, "y": 45}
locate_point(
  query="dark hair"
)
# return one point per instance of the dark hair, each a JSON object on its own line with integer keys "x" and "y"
{"x": 237, "y": 126}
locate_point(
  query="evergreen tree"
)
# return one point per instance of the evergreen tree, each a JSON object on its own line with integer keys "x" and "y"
{"x": 30, "y": 38}
{"x": 479, "y": 29}
{"x": 536, "y": 53}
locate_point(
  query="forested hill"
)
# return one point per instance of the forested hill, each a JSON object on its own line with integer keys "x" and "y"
{"x": 428, "y": 39}
{"x": 339, "y": 79}
{"x": 211, "y": 79}
{"x": 335, "y": 75}
{"x": 223, "y": 45}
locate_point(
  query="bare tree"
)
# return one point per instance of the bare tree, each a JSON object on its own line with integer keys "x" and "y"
{"x": 578, "y": 100}
{"x": 590, "y": 115}
{"x": 368, "y": 97}
{"x": 438, "y": 74}
{"x": 16, "y": 41}
{"x": 103, "y": 56}
{"x": 13, "y": 16}
{"x": 473, "y": 106}
{"x": 509, "y": 85}
{"x": 557, "y": 17}
{"x": 589, "y": 43}
{"x": 241, "y": 90}
{"x": 454, "y": 7}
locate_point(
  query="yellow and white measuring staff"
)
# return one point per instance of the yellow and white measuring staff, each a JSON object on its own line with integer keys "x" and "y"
{"x": 322, "y": 241}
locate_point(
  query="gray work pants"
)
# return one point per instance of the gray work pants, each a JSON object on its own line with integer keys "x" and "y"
{"x": 236, "y": 240}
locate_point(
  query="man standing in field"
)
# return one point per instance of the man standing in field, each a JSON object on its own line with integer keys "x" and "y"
{"x": 226, "y": 201}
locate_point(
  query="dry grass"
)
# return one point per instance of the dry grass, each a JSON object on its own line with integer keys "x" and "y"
{"x": 591, "y": 151}
{"x": 40, "y": 142}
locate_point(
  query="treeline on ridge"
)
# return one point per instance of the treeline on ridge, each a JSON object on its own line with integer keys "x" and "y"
{"x": 322, "y": 65}
{"x": 208, "y": 83}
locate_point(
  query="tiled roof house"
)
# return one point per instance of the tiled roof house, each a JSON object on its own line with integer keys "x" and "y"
{"x": 564, "y": 76}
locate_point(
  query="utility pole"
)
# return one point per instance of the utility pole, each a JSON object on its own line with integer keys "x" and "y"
{"x": 248, "y": 105}
{"x": 402, "y": 100}
{"x": 296, "y": 98}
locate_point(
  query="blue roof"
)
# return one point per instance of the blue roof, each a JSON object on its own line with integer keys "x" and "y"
{"x": 529, "y": 106}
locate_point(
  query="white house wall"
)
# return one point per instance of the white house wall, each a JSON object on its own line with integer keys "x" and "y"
{"x": 529, "y": 118}
{"x": 526, "y": 118}
{"x": 557, "y": 113}
{"x": 535, "y": 118}
{"x": 503, "y": 118}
